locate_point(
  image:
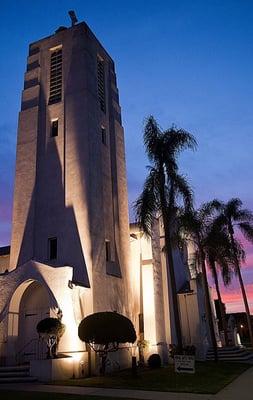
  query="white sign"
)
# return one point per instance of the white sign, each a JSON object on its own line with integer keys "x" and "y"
{"x": 184, "y": 364}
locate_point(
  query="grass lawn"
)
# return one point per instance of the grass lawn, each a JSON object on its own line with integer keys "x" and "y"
{"x": 209, "y": 378}
{"x": 15, "y": 395}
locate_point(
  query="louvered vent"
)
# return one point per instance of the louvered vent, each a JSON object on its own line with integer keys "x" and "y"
{"x": 101, "y": 84}
{"x": 56, "y": 76}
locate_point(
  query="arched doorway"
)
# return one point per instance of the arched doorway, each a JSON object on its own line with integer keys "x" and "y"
{"x": 34, "y": 306}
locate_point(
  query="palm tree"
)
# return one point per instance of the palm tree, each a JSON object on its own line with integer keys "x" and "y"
{"x": 218, "y": 255}
{"x": 164, "y": 188}
{"x": 233, "y": 216}
{"x": 196, "y": 226}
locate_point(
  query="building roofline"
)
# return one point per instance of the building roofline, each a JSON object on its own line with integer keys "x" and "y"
{"x": 75, "y": 27}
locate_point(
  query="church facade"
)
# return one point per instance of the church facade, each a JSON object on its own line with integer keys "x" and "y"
{"x": 72, "y": 252}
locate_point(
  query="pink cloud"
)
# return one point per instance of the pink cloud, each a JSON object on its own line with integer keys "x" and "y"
{"x": 232, "y": 297}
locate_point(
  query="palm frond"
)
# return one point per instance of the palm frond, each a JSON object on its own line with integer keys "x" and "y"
{"x": 178, "y": 236}
{"x": 169, "y": 159}
{"x": 177, "y": 140}
{"x": 183, "y": 189}
{"x": 216, "y": 257}
{"x": 240, "y": 255}
{"x": 227, "y": 274}
{"x": 189, "y": 223}
{"x": 207, "y": 210}
{"x": 219, "y": 221}
{"x": 151, "y": 137}
{"x": 232, "y": 207}
{"x": 247, "y": 230}
{"x": 241, "y": 252}
{"x": 244, "y": 215}
{"x": 211, "y": 263}
{"x": 147, "y": 204}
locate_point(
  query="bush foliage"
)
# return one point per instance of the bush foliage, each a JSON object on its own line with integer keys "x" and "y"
{"x": 154, "y": 361}
{"x": 104, "y": 331}
{"x": 51, "y": 326}
{"x": 51, "y": 330}
{"x": 187, "y": 350}
{"x": 106, "y": 327}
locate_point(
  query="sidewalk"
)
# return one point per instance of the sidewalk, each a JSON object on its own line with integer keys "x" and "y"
{"x": 134, "y": 394}
{"x": 241, "y": 388}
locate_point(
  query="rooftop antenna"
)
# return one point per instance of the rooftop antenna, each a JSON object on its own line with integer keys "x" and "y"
{"x": 73, "y": 18}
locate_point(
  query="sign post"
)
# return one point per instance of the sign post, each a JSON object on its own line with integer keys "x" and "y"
{"x": 184, "y": 364}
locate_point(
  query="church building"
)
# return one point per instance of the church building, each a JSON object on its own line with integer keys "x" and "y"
{"x": 72, "y": 251}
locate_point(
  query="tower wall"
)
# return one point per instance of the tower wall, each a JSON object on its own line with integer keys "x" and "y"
{"x": 73, "y": 186}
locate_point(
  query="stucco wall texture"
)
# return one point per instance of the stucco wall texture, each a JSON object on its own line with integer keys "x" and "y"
{"x": 73, "y": 186}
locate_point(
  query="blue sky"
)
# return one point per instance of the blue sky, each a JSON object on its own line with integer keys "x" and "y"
{"x": 186, "y": 62}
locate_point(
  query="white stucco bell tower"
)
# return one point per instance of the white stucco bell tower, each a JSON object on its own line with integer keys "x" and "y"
{"x": 70, "y": 232}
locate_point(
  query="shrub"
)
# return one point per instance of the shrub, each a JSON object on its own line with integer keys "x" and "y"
{"x": 104, "y": 331}
{"x": 106, "y": 327}
{"x": 51, "y": 330}
{"x": 142, "y": 344}
{"x": 154, "y": 361}
{"x": 189, "y": 350}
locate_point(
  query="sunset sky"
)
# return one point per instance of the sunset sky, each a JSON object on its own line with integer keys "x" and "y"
{"x": 186, "y": 62}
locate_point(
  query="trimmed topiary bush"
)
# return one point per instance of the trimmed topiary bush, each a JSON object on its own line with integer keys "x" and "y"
{"x": 51, "y": 330}
{"x": 104, "y": 331}
{"x": 154, "y": 361}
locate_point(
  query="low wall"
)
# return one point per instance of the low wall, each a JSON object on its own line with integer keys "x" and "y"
{"x": 57, "y": 369}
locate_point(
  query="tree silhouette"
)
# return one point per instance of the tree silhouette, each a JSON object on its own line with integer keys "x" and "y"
{"x": 232, "y": 216}
{"x": 195, "y": 226}
{"x": 163, "y": 191}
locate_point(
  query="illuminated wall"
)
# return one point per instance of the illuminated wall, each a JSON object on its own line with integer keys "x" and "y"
{"x": 149, "y": 284}
{"x": 149, "y": 304}
{"x": 71, "y": 186}
{"x": 152, "y": 278}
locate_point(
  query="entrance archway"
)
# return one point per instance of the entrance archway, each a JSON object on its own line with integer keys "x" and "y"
{"x": 34, "y": 307}
{"x": 29, "y": 304}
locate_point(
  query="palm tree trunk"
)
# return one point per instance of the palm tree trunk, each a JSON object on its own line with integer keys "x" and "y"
{"x": 246, "y": 304}
{"x": 174, "y": 291}
{"x": 170, "y": 261}
{"x": 169, "y": 257}
{"x": 244, "y": 295}
{"x": 223, "y": 315}
{"x": 141, "y": 322}
{"x": 209, "y": 313}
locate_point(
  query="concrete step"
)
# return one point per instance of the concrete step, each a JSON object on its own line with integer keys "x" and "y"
{"x": 15, "y": 374}
{"x": 222, "y": 358}
{"x": 234, "y": 354}
{"x": 16, "y": 368}
{"x": 18, "y": 379}
{"x": 229, "y": 349}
